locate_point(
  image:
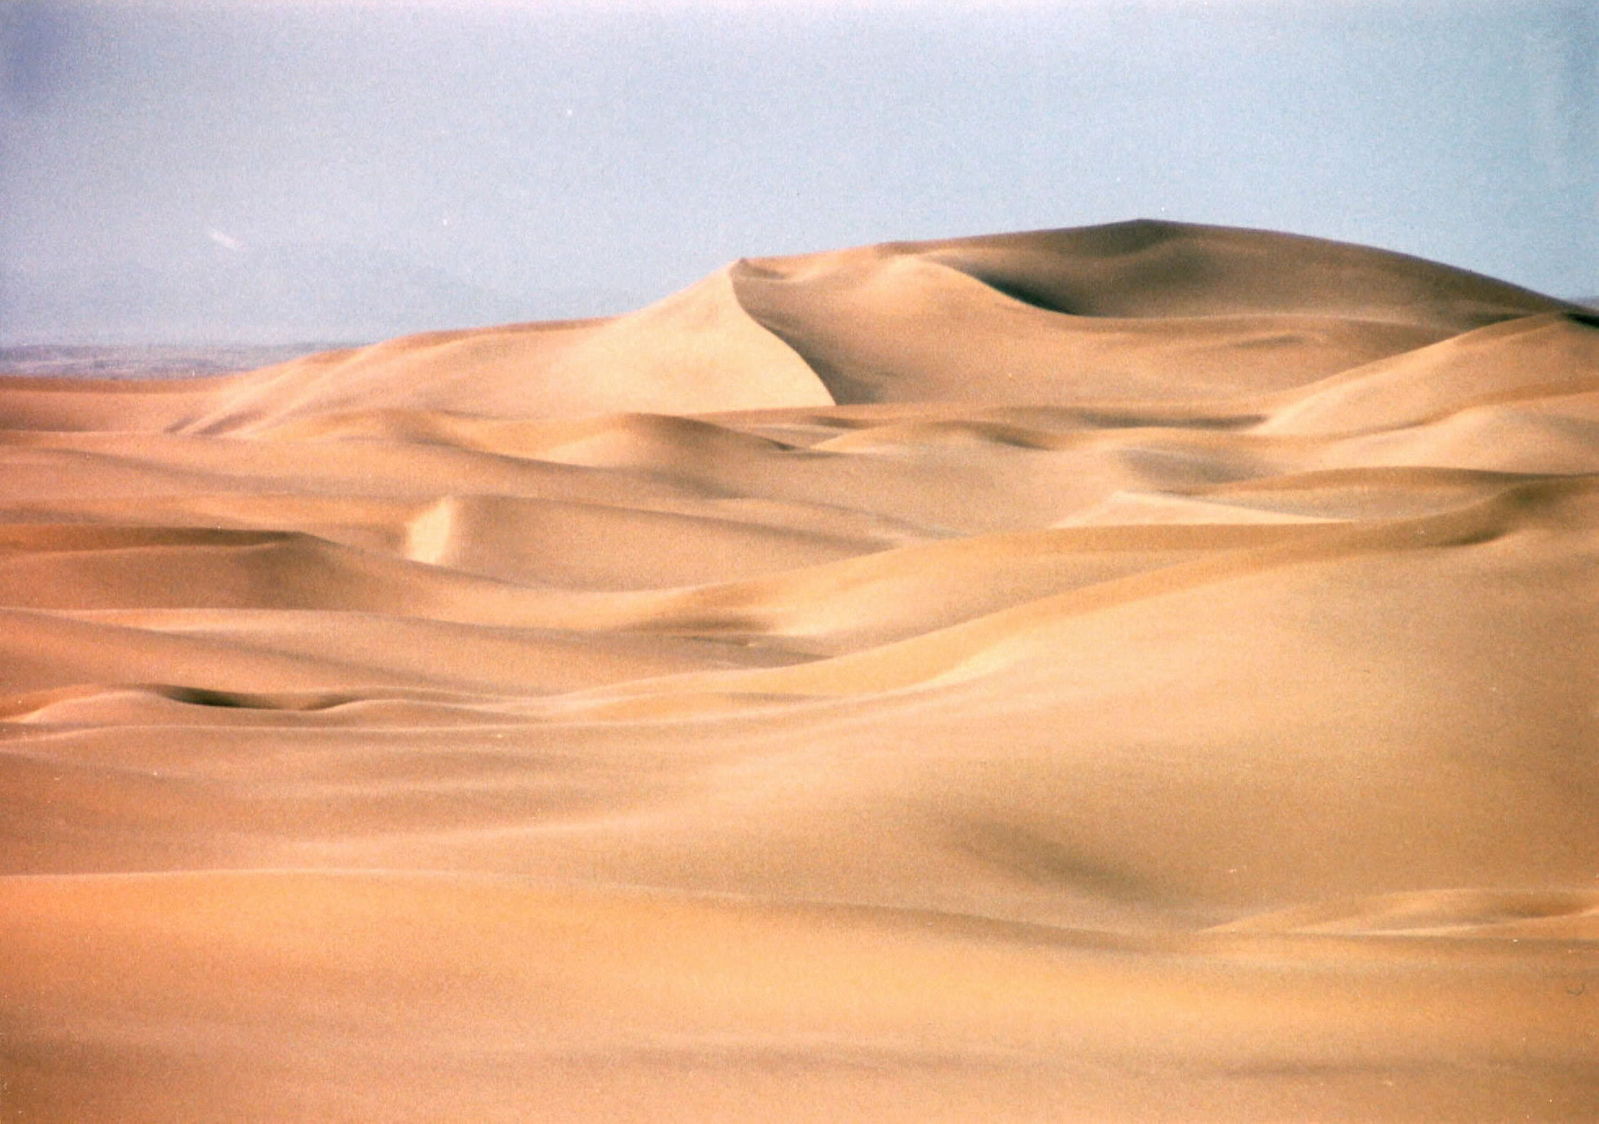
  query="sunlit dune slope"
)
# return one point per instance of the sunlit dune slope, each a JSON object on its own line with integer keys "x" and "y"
{"x": 1142, "y": 672}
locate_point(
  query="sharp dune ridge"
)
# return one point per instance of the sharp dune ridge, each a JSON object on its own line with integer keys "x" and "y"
{"x": 1139, "y": 672}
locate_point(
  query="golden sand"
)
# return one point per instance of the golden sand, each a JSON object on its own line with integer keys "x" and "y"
{"x": 1143, "y": 672}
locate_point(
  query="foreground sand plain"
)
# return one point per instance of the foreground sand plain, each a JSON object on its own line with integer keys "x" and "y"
{"x": 1143, "y": 672}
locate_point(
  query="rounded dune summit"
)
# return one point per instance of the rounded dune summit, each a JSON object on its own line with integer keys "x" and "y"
{"x": 1142, "y": 672}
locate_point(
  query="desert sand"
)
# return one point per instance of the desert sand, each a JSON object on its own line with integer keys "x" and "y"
{"x": 1140, "y": 672}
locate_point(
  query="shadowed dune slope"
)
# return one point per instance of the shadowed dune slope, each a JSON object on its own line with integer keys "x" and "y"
{"x": 1147, "y": 309}
{"x": 1142, "y": 672}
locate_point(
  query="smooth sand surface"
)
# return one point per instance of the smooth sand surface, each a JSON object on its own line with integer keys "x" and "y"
{"x": 1144, "y": 672}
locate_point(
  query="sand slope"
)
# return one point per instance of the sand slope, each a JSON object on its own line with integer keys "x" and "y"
{"x": 1143, "y": 672}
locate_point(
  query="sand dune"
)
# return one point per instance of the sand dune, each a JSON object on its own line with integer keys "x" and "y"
{"x": 1141, "y": 672}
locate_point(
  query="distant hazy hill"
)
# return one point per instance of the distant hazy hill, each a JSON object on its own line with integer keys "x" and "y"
{"x": 272, "y": 294}
{"x": 139, "y": 361}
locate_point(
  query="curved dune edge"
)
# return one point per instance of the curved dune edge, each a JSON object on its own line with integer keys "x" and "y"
{"x": 1141, "y": 672}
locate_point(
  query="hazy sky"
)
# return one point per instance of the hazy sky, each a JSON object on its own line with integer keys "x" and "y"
{"x": 251, "y": 169}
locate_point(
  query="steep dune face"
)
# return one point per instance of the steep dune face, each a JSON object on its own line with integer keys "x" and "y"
{"x": 1142, "y": 309}
{"x": 1143, "y": 672}
{"x": 693, "y": 352}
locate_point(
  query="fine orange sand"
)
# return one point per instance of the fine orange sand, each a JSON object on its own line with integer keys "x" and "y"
{"x": 1142, "y": 672}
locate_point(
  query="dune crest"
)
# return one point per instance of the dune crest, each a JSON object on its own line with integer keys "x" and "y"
{"x": 1141, "y": 672}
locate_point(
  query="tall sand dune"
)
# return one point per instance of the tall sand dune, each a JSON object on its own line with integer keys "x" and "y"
{"x": 1142, "y": 672}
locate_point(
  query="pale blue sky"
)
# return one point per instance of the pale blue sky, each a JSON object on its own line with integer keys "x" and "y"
{"x": 258, "y": 170}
